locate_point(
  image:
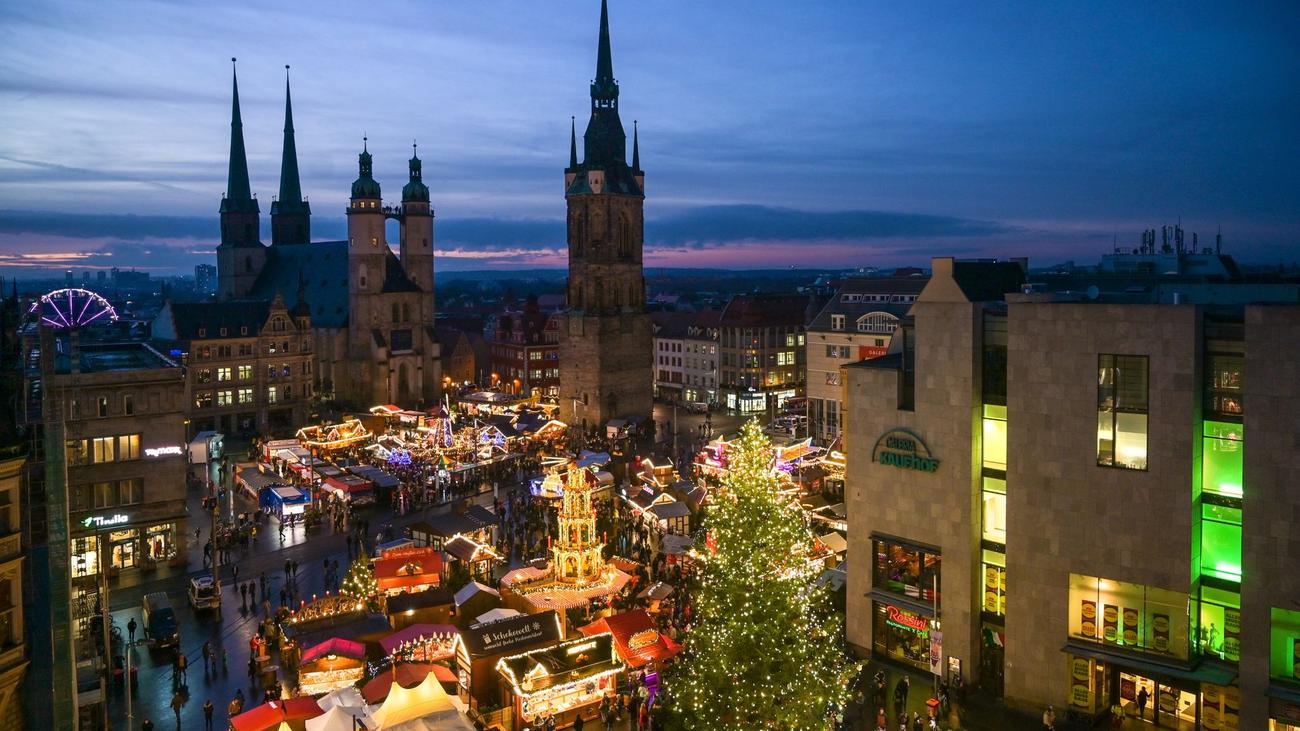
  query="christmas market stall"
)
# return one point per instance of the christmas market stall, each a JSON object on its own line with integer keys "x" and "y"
{"x": 407, "y": 676}
{"x": 331, "y": 437}
{"x": 431, "y": 606}
{"x": 478, "y": 558}
{"x": 350, "y": 489}
{"x": 639, "y": 644}
{"x": 421, "y": 643}
{"x": 565, "y": 680}
{"x": 272, "y": 716}
{"x": 426, "y": 706}
{"x": 284, "y": 502}
{"x": 479, "y": 647}
{"x": 334, "y": 663}
{"x": 406, "y": 570}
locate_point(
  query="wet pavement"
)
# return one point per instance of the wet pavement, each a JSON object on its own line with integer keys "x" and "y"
{"x": 232, "y": 627}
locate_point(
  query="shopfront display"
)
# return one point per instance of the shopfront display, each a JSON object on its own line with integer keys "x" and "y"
{"x": 906, "y": 569}
{"x": 901, "y": 635}
{"x": 1129, "y": 615}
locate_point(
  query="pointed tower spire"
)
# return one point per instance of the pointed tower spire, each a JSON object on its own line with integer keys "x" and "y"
{"x": 604, "y": 59}
{"x": 290, "y": 214}
{"x": 237, "y": 188}
{"x": 290, "y": 186}
{"x": 573, "y": 143}
{"x": 636, "y": 148}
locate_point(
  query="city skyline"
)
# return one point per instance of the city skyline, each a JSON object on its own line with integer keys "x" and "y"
{"x": 841, "y": 150}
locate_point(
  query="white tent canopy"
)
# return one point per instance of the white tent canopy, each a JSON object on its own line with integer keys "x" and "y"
{"x": 334, "y": 719}
{"x": 421, "y": 702}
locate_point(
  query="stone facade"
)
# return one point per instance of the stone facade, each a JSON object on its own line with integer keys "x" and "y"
{"x": 1077, "y": 510}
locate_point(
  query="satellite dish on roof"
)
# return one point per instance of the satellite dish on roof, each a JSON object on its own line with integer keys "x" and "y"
{"x": 1092, "y": 292}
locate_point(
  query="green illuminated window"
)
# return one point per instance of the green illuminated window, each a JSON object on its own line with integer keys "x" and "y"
{"x": 1219, "y": 633}
{"x": 1222, "y": 451}
{"x": 1221, "y": 550}
{"x": 1284, "y": 644}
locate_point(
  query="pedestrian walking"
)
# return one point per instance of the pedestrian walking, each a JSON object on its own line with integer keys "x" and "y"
{"x": 147, "y": 725}
{"x": 577, "y": 722}
{"x": 207, "y": 715}
{"x": 287, "y": 566}
{"x": 1049, "y": 719}
{"x": 178, "y": 702}
{"x": 235, "y": 569}
{"x": 1142, "y": 699}
{"x": 207, "y": 657}
{"x": 284, "y": 597}
{"x": 243, "y": 596}
{"x": 130, "y": 631}
{"x": 183, "y": 664}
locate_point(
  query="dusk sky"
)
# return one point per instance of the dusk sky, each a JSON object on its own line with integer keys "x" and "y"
{"x": 773, "y": 133}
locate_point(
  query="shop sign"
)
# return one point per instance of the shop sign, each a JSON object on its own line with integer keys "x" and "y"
{"x": 163, "y": 451}
{"x": 903, "y": 619}
{"x": 105, "y": 521}
{"x": 644, "y": 638}
{"x": 492, "y": 641}
{"x": 903, "y": 449}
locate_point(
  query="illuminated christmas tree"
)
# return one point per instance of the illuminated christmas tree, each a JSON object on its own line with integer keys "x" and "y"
{"x": 767, "y": 650}
{"x": 360, "y": 583}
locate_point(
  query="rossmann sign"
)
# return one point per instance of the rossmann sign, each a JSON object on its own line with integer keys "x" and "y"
{"x": 905, "y": 450}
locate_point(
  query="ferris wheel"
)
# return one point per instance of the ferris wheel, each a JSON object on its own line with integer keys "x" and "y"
{"x": 69, "y": 308}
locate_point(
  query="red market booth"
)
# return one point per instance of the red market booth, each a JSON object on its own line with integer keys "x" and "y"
{"x": 269, "y": 716}
{"x": 350, "y": 488}
{"x": 565, "y": 680}
{"x": 335, "y": 663}
{"x": 421, "y": 643}
{"x": 638, "y": 642}
{"x": 408, "y": 569}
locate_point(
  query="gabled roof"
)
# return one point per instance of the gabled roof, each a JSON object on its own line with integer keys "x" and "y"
{"x": 323, "y": 266}
{"x": 765, "y": 310}
{"x": 187, "y": 318}
{"x": 636, "y": 638}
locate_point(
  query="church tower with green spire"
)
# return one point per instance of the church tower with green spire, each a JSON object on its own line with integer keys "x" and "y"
{"x": 290, "y": 213}
{"x": 605, "y": 349}
{"x": 241, "y": 255}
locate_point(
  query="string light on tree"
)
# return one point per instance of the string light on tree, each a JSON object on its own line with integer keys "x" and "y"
{"x": 767, "y": 650}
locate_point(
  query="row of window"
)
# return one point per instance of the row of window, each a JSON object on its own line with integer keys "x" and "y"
{"x": 103, "y": 408}
{"x": 245, "y": 350}
{"x": 872, "y": 322}
{"x": 111, "y": 494}
{"x": 761, "y": 337}
{"x": 755, "y": 360}
{"x": 903, "y": 298}
{"x": 243, "y": 396}
{"x": 101, "y": 450}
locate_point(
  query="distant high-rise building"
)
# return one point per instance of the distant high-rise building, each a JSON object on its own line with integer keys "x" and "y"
{"x": 205, "y": 278}
{"x": 605, "y": 343}
{"x": 101, "y": 277}
{"x": 67, "y": 277}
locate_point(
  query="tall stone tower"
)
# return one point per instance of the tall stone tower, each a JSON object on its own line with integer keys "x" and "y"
{"x": 240, "y": 255}
{"x": 416, "y": 245}
{"x": 290, "y": 214}
{"x": 367, "y": 263}
{"x": 605, "y": 347}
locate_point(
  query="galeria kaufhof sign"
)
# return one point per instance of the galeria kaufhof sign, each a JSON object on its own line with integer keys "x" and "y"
{"x": 905, "y": 450}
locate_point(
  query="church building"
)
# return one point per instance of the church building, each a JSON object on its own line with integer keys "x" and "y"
{"x": 371, "y": 312}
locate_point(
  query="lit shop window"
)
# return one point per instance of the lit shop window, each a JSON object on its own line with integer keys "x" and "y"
{"x": 995, "y": 583}
{"x": 1122, "y": 411}
{"x": 1284, "y": 644}
{"x": 995, "y": 517}
{"x": 1221, "y": 458}
{"x": 907, "y": 570}
{"x": 995, "y": 436}
{"x": 1139, "y": 617}
{"x": 85, "y": 556}
{"x": 1219, "y": 630}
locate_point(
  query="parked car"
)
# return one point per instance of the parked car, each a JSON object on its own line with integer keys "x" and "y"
{"x": 697, "y": 407}
{"x": 160, "y": 620}
{"x": 204, "y": 593}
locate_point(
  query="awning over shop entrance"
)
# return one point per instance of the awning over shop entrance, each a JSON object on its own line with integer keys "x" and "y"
{"x": 1206, "y": 671}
